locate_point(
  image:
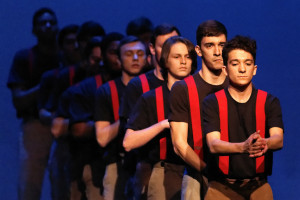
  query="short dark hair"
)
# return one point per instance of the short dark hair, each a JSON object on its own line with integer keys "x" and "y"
{"x": 109, "y": 38}
{"x": 40, "y": 12}
{"x": 92, "y": 43}
{"x": 210, "y": 28}
{"x": 72, "y": 28}
{"x": 239, "y": 42}
{"x": 129, "y": 39}
{"x": 163, "y": 29}
{"x": 90, "y": 29}
{"x": 139, "y": 26}
{"x": 166, "y": 51}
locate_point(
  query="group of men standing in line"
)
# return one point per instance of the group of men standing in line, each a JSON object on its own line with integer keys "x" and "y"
{"x": 129, "y": 117}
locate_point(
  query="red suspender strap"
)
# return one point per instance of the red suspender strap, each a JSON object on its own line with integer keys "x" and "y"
{"x": 99, "y": 81}
{"x": 261, "y": 125}
{"x": 195, "y": 115}
{"x": 160, "y": 117}
{"x": 223, "y": 113}
{"x": 145, "y": 84}
{"x": 71, "y": 75}
{"x": 114, "y": 98}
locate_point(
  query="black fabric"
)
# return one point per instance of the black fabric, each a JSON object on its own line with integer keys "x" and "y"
{"x": 144, "y": 115}
{"x": 82, "y": 106}
{"x": 180, "y": 107}
{"x": 47, "y": 86}
{"x": 104, "y": 112}
{"x": 241, "y": 124}
{"x": 134, "y": 91}
{"x": 25, "y": 75}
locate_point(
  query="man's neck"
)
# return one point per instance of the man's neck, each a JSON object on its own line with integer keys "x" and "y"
{"x": 212, "y": 77}
{"x": 240, "y": 94}
{"x": 157, "y": 72}
{"x": 47, "y": 47}
{"x": 126, "y": 78}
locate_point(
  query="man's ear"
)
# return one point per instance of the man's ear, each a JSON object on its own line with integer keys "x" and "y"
{"x": 152, "y": 49}
{"x": 198, "y": 50}
{"x": 224, "y": 69}
{"x": 255, "y": 69}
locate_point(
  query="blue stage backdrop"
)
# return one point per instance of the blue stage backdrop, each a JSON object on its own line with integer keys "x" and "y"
{"x": 274, "y": 24}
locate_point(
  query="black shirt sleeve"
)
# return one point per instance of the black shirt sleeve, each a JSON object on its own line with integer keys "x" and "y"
{"x": 210, "y": 114}
{"x": 179, "y": 103}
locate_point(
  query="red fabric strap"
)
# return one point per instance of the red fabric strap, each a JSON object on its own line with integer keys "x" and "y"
{"x": 71, "y": 75}
{"x": 114, "y": 98}
{"x": 160, "y": 117}
{"x": 223, "y": 113}
{"x": 145, "y": 84}
{"x": 195, "y": 115}
{"x": 261, "y": 125}
{"x": 99, "y": 81}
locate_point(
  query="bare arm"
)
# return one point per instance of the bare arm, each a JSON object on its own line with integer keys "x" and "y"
{"x": 179, "y": 133}
{"x": 253, "y": 145}
{"x": 274, "y": 142}
{"x": 106, "y": 132}
{"x": 134, "y": 139}
{"x": 82, "y": 129}
{"x": 59, "y": 127}
{"x": 22, "y": 99}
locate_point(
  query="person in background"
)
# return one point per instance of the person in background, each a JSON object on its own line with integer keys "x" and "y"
{"x": 24, "y": 82}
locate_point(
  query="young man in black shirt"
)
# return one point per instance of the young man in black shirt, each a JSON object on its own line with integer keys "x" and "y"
{"x": 132, "y": 54}
{"x": 185, "y": 100}
{"x": 136, "y": 87}
{"x": 24, "y": 78}
{"x": 243, "y": 126}
{"x": 148, "y": 124}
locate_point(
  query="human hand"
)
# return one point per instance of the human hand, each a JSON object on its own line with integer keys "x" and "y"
{"x": 165, "y": 123}
{"x": 255, "y": 145}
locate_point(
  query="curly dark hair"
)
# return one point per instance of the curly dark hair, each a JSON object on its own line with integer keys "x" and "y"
{"x": 239, "y": 42}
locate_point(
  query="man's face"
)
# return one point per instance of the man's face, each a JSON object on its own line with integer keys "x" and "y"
{"x": 156, "y": 50}
{"x": 179, "y": 62}
{"x": 111, "y": 56}
{"x": 46, "y": 27}
{"x": 70, "y": 48}
{"x": 95, "y": 57}
{"x": 210, "y": 51}
{"x": 133, "y": 57}
{"x": 240, "y": 68}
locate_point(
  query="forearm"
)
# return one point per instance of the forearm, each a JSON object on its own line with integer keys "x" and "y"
{"x": 60, "y": 126}
{"x": 189, "y": 156}
{"x": 134, "y": 139}
{"x": 275, "y": 141}
{"x": 83, "y": 129}
{"x": 106, "y": 134}
{"x": 22, "y": 99}
{"x": 222, "y": 147}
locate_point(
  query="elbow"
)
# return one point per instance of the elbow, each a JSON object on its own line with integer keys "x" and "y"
{"x": 212, "y": 148}
{"x": 177, "y": 146}
{"x": 126, "y": 145}
{"x": 101, "y": 142}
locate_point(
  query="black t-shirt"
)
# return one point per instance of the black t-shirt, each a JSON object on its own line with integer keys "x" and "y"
{"x": 64, "y": 102}
{"x": 26, "y": 71}
{"x": 241, "y": 124}
{"x": 104, "y": 112}
{"x": 82, "y": 106}
{"x": 47, "y": 86}
{"x": 180, "y": 107}
{"x": 134, "y": 91}
{"x": 144, "y": 115}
